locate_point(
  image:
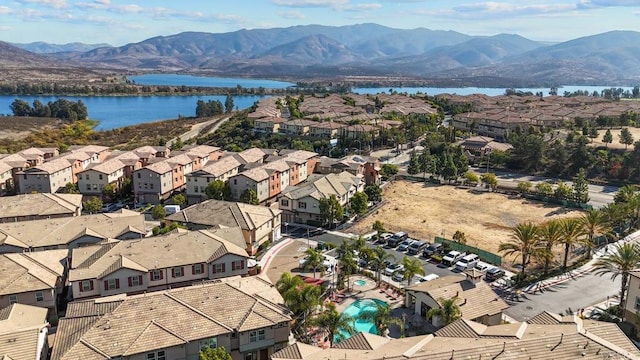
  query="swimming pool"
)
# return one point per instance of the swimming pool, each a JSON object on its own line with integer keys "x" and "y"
{"x": 354, "y": 310}
{"x": 360, "y": 283}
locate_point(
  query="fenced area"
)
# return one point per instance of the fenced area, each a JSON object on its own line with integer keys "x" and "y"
{"x": 485, "y": 256}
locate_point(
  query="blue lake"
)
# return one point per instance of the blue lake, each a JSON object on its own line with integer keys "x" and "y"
{"x": 119, "y": 111}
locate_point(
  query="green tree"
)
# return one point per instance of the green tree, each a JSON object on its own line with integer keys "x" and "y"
{"x": 470, "y": 178}
{"x": 313, "y": 261}
{"x": 550, "y": 234}
{"x": 626, "y": 137}
{"x": 562, "y": 191}
{"x": 490, "y": 180}
{"x": 108, "y": 192}
{"x": 330, "y": 210}
{"x": 228, "y": 104}
{"x": 625, "y": 194}
{"x": 126, "y": 188}
{"x": 380, "y": 256}
{"x": 378, "y": 226}
{"x": 92, "y": 205}
{"x": 460, "y": 237}
{"x": 594, "y": 223}
{"x": 332, "y": 322}
{"x": 359, "y": 203}
{"x": 620, "y": 262}
{"x": 348, "y": 266}
{"x": 448, "y": 312}
{"x": 177, "y": 145}
{"x": 607, "y": 138}
{"x": 382, "y": 317}
{"x": 71, "y": 188}
{"x": 524, "y": 187}
{"x": 374, "y": 192}
{"x": 20, "y": 107}
{"x": 249, "y": 196}
{"x": 389, "y": 170}
{"x": 214, "y": 354}
{"x": 178, "y": 199}
{"x": 218, "y": 190}
{"x": 412, "y": 267}
{"x": 544, "y": 188}
{"x": 414, "y": 164}
{"x": 572, "y": 232}
{"x": 299, "y": 297}
{"x": 581, "y": 187}
{"x": 158, "y": 212}
{"x": 525, "y": 243}
{"x": 449, "y": 170}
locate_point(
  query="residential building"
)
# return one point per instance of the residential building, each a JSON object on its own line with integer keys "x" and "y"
{"x": 476, "y": 299}
{"x": 260, "y": 224}
{"x": 366, "y": 167}
{"x": 269, "y": 125}
{"x": 297, "y": 127}
{"x": 325, "y": 130}
{"x": 35, "y": 278}
{"x": 39, "y": 206}
{"x": 23, "y": 333}
{"x": 545, "y": 336}
{"x": 256, "y": 179}
{"x": 176, "y": 259}
{"x": 197, "y": 181}
{"x": 246, "y": 316}
{"x": 154, "y": 183}
{"x": 71, "y": 232}
{"x": 48, "y": 177}
{"x": 632, "y": 303}
{"x": 301, "y": 204}
{"x": 98, "y": 175}
{"x": 6, "y": 177}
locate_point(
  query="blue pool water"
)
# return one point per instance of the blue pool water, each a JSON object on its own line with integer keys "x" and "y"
{"x": 360, "y": 283}
{"x": 354, "y": 310}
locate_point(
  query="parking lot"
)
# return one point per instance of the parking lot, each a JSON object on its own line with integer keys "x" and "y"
{"x": 428, "y": 266}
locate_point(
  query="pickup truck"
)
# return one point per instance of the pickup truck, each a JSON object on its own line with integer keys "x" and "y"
{"x": 452, "y": 257}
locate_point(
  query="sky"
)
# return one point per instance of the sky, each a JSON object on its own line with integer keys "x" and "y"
{"x": 118, "y": 22}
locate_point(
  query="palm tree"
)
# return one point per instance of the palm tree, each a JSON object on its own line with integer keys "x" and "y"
{"x": 332, "y": 322}
{"x": 288, "y": 285}
{"x": 378, "y": 258}
{"x": 448, "y": 311}
{"x": 348, "y": 266}
{"x": 615, "y": 215}
{"x": 620, "y": 262}
{"x": 594, "y": 222}
{"x": 382, "y": 317}
{"x": 550, "y": 234}
{"x": 524, "y": 243}
{"x": 314, "y": 260}
{"x": 301, "y": 298}
{"x": 571, "y": 236}
{"x": 412, "y": 267}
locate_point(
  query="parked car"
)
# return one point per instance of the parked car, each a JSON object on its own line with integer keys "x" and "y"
{"x": 398, "y": 276}
{"x": 429, "y": 277}
{"x": 452, "y": 257}
{"x": 391, "y": 268}
{"x": 433, "y": 249}
{"x": 404, "y": 246}
{"x": 416, "y": 247}
{"x": 396, "y": 238}
{"x": 467, "y": 262}
{"x": 383, "y": 238}
{"x": 373, "y": 266}
{"x": 494, "y": 274}
{"x": 327, "y": 262}
{"x": 482, "y": 267}
{"x": 111, "y": 207}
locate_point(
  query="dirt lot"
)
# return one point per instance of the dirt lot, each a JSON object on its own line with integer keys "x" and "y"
{"x": 428, "y": 211}
{"x": 616, "y": 138}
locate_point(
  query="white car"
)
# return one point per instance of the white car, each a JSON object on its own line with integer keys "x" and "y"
{"x": 391, "y": 268}
{"x": 467, "y": 262}
{"x": 429, "y": 277}
{"x": 327, "y": 262}
{"x": 452, "y": 257}
{"x": 482, "y": 267}
{"x": 398, "y": 276}
{"x": 404, "y": 246}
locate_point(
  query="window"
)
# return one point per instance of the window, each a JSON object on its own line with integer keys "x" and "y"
{"x": 157, "y": 355}
{"x": 237, "y": 265}
{"x": 250, "y": 356}
{"x": 637, "y": 303}
{"x": 151, "y": 186}
{"x": 13, "y": 299}
{"x": 218, "y": 268}
{"x": 197, "y": 269}
{"x": 112, "y": 284}
{"x": 88, "y": 186}
{"x": 177, "y": 272}
{"x": 302, "y": 205}
{"x": 87, "y": 176}
{"x": 256, "y": 335}
{"x": 209, "y": 343}
{"x": 100, "y": 176}
{"x": 156, "y": 275}
{"x": 39, "y": 296}
{"x": 284, "y": 202}
{"x": 86, "y": 285}
{"x": 138, "y": 175}
{"x": 195, "y": 189}
{"x": 135, "y": 281}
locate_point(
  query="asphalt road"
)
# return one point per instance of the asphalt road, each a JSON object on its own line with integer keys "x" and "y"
{"x": 565, "y": 297}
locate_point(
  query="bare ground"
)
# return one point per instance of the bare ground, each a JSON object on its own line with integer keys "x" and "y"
{"x": 616, "y": 137}
{"x": 425, "y": 211}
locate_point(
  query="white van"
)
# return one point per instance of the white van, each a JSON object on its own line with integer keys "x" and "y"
{"x": 171, "y": 209}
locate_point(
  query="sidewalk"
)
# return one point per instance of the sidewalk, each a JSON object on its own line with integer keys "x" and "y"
{"x": 584, "y": 269}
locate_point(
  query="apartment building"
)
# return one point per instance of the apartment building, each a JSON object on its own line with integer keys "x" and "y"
{"x": 154, "y": 183}
{"x": 71, "y": 232}
{"x": 246, "y": 316}
{"x": 256, "y": 179}
{"x": 364, "y": 166}
{"x": 301, "y": 204}
{"x": 35, "y": 279}
{"x": 156, "y": 263}
{"x": 23, "y": 333}
{"x": 260, "y": 224}
{"x": 39, "y": 206}
{"x": 98, "y": 175}
{"x": 48, "y": 177}
{"x": 197, "y": 181}
{"x": 269, "y": 125}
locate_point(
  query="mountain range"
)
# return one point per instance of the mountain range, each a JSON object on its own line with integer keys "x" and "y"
{"x": 315, "y": 51}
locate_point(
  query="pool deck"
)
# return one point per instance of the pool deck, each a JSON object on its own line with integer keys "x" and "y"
{"x": 367, "y": 291}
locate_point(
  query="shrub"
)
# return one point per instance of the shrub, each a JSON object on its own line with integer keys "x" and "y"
{"x": 436, "y": 258}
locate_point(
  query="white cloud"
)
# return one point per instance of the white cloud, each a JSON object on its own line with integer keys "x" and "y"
{"x": 310, "y": 3}
{"x": 493, "y": 9}
{"x": 360, "y": 7}
{"x": 292, "y": 15}
{"x": 5, "y": 10}
{"x": 56, "y": 4}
